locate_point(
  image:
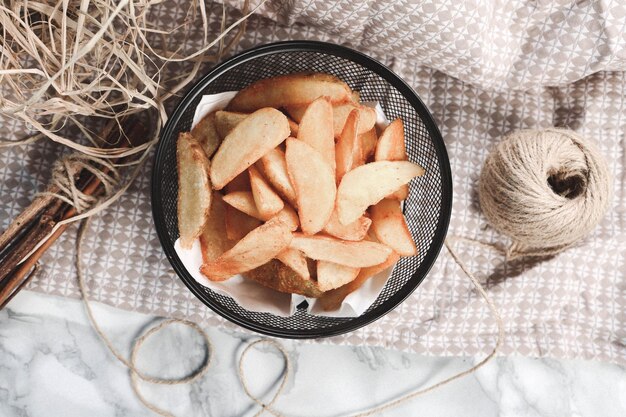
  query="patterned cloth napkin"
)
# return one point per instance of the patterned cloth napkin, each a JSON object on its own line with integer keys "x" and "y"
{"x": 484, "y": 69}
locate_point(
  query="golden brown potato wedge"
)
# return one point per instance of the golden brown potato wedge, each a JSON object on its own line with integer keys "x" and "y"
{"x": 206, "y": 134}
{"x": 274, "y": 166}
{"x": 316, "y": 129}
{"x": 331, "y": 275}
{"x": 295, "y": 260}
{"x": 295, "y": 128}
{"x": 257, "y": 248}
{"x": 367, "y": 117}
{"x": 225, "y": 121}
{"x": 244, "y": 202}
{"x": 332, "y": 300}
{"x": 368, "y": 184}
{"x": 288, "y": 90}
{"x": 258, "y": 133}
{"x": 391, "y": 147}
{"x": 348, "y": 152}
{"x": 340, "y": 114}
{"x": 267, "y": 201}
{"x": 280, "y": 277}
{"x": 213, "y": 240}
{"x": 354, "y": 254}
{"x": 239, "y": 224}
{"x": 194, "y": 188}
{"x": 314, "y": 183}
{"x": 357, "y": 230}
{"x": 389, "y": 227}
{"x": 289, "y": 216}
{"x": 368, "y": 141}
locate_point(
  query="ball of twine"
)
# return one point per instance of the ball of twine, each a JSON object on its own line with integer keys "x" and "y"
{"x": 545, "y": 189}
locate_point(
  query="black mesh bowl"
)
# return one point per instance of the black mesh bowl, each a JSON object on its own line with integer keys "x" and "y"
{"x": 427, "y": 208}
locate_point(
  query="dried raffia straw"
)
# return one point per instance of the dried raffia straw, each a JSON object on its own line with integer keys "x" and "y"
{"x": 89, "y": 58}
{"x": 93, "y": 58}
{"x": 98, "y": 58}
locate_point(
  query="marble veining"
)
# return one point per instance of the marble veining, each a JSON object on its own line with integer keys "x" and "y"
{"x": 53, "y": 364}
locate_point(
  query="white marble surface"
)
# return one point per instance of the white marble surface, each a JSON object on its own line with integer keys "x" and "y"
{"x": 53, "y": 364}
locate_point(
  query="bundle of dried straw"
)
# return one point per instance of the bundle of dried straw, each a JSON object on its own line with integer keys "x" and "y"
{"x": 64, "y": 62}
{"x": 78, "y": 65}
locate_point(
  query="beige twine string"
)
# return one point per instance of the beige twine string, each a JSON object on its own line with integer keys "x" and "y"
{"x": 284, "y": 377}
{"x": 545, "y": 189}
{"x": 137, "y": 375}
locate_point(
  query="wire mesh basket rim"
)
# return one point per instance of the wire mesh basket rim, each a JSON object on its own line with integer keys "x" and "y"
{"x": 371, "y": 64}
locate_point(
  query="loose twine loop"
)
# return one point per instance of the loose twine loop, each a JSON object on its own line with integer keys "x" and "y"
{"x": 567, "y": 174}
{"x": 137, "y": 375}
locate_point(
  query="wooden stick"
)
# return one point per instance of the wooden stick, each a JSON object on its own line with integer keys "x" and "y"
{"x": 14, "y": 275}
{"x": 24, "y": 219}
{"x": 24, "y": 282}
{"x": 30, "y": 213}
{"x": 42, "y": 229}
{"x": 13, "y": 283}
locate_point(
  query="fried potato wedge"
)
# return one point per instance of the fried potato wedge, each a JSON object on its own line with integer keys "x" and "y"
{"x": 368, "y": 184}
{"x": 331, "y": 300}
{"x": 295, "y": 260}
{"x": 258, "y": 133}
{"x": 348, "y": 151}
{"x": 340, "y": 115}
{"x": 331, "y": 275}
{"x": 267, "y": 201}
{"x": 316, "y": 129}
{"x": 194, "y": 188}
{"x": 314, "y": 183}
{"x": 206, "y": 134}
{"x": 289, "y": 216}
{"x": 353, "y": 254}
{"x": 367, "y": 117}
{"x": 257, "y": 248}
{"x": 390, "y": 228}
{"x": 280, "y": 277}
{"x": 368, "y": 141}
{"x": 289, "y": 90}
{"x": 244, "y": 202}
{"x": 225, "y": 121}
{"x": 355, "y": 231}
{"x": 213, "y": 239}
{"x": 294, "y": 127}
{"x": 391, "y": 147}
{"x": 274, "y": 166}
{"x": 239, "y": 224}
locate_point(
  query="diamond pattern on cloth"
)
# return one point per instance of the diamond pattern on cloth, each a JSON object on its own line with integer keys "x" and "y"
{"x": 483, "y": 70}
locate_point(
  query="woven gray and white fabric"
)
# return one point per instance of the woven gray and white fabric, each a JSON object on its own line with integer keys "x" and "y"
{"x": 484, "y": 68}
